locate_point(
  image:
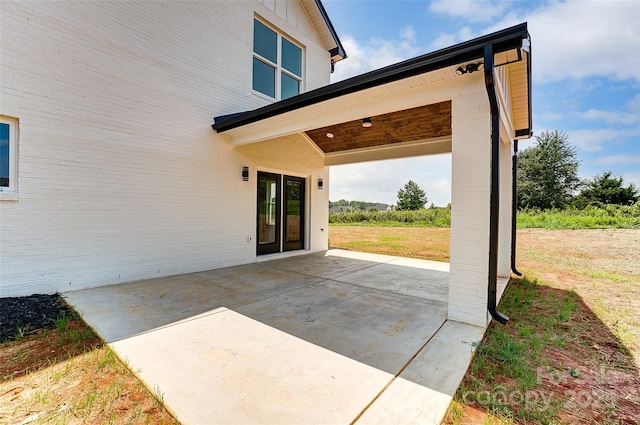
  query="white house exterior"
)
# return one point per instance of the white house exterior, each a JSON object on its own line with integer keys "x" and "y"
{"x": 115, "y": 174}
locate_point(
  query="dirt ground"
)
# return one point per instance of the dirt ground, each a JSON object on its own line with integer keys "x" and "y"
{"x": 601, "y": 265}
{"x": 66, "y": 376}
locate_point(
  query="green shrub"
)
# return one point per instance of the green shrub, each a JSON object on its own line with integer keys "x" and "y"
{"x": 593, "y": 216}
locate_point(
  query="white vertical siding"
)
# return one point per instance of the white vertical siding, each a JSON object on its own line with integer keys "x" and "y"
{"x": 121, "y": 176}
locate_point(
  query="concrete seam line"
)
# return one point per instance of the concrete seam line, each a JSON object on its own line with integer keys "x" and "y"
{"x": 396, "y": 376}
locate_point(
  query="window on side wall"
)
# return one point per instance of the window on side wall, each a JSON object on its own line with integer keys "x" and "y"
{"x": 277, "y": 63}
{"x": 8, "y": 155}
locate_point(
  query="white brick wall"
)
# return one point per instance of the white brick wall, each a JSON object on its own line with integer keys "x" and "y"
{"x": 120, "y": 175}
{"x": 293, "y": 155}
{"x": 470, "y": 160}
{"x": 470, "y": 206}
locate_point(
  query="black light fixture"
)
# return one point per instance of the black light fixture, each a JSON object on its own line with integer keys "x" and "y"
{"x": 366, "y": 122}
{"x": 320, "y": 184}
{"x": 469, "y": 68}
{"x": 245, "y": 174}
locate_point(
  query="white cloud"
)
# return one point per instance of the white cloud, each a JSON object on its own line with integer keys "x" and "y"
{"x": 570, "y": 39}
{"x": 474, "y": 11}
{"x": 579, "y": 39}
{"x": 631, "y": 178}
{"x": 611, "y": 117}
{"x": 374, "y": 54}
{"x": 619, "y": 160}
{"x": 445, "y": 40}
{"x": 634, "y": 104}
{"x": 379, "y": 181}
{"x": 548, "y": 116}
{"x": 594, "y": 140}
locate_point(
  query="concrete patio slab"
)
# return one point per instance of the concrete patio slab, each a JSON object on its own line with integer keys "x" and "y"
{"x": 330, "y": 265}
{"x": 383, "y": 330}
{"x": 152, "y": 303}
{"x": 429, "y": 383}
{"x": 403, "y": 279}
{"x": 320, "y": 338}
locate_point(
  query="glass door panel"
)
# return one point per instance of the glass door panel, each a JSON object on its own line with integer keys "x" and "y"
{"x": 269, "y": 201}
{"x": 293, "y": 213}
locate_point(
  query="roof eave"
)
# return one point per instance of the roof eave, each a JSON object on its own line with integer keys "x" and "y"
{"x": 507, "y": 39}
{"x": 338, "y": 53}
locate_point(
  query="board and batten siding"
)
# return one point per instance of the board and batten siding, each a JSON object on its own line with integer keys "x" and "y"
{"x": 120, "y": 175}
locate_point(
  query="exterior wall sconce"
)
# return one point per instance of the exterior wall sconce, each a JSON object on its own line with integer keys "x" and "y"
{"x": 470, "y": 68}
{"x": 366, "y": 122}
{"x": 245, "y": 174}
{"x": 320, "y": 184}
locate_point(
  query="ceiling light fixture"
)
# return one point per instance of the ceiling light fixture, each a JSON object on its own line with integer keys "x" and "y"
{"x": 366, "y": 122}
{"x": 330, "y": 135}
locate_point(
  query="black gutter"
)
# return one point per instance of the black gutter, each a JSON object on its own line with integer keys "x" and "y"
{"x": 489, "y": 81}
{"x": 338, "y": 50}
{"x": 514, "y": 206}
{"x": 504, "y": 40}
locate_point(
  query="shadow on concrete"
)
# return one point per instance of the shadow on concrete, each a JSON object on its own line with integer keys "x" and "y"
{"x": 378, "y": 312}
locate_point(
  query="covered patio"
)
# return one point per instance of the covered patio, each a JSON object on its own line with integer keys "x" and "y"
{"x": 333, "y": 337}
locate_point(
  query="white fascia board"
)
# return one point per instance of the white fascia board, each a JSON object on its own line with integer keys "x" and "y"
{"x": 506, "y": 115}
{"x": 432, "y": 146}
{"x": 392, "y": 97}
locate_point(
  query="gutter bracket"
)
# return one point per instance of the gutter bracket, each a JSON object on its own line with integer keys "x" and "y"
{"x": 489, "y": 80}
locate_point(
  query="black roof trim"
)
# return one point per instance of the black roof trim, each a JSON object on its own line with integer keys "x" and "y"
{"x": 339, "y": 50}
{"x": 222, "y": 118}
{"x": 525, "y": 132}
{"x": 504, "y": 40}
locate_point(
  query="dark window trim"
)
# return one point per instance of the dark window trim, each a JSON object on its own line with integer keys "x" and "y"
{"x": 278, "y": 65}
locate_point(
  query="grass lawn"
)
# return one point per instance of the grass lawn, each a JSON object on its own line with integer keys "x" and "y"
{"x": 571, "y": 351}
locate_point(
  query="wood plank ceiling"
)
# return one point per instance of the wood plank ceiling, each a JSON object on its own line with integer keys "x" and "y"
{"x": 423, "y": 122}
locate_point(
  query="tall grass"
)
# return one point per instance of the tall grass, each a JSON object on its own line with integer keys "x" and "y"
{"x": 590, "y": 217}
{"x": 432, "y": 217}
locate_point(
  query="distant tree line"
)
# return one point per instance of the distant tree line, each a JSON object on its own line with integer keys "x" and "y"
{"x": 356, "y": 205}
{"x": 548, "y": 178}
{"x": 410, "y": 198}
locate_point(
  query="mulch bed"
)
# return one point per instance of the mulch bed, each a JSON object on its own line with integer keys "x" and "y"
{"x": 27, "y": 315}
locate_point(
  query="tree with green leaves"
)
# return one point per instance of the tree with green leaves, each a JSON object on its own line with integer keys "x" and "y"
{"x": 411, "y": 197}
{"x": 606, "y": 189}
{"x": 548, "y": 172}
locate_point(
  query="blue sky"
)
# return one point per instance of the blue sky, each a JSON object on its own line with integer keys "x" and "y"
{"x": 586, "y": 78}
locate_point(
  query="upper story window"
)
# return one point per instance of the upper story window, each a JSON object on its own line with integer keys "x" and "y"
{"x": 277, "y": 63}
{"x": 8, "y": 154}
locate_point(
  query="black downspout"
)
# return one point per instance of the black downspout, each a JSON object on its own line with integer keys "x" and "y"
{"x": 489, "y": 81}
{"x": 514, "y": 207}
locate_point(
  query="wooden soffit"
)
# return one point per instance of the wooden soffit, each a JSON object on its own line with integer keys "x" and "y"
{"x": 420, "y": 123}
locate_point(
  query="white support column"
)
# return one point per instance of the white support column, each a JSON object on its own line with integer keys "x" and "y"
{"x": 504, "y": 225}
{"x": 471, "y": 157}
{"x": 504, "y": 232}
